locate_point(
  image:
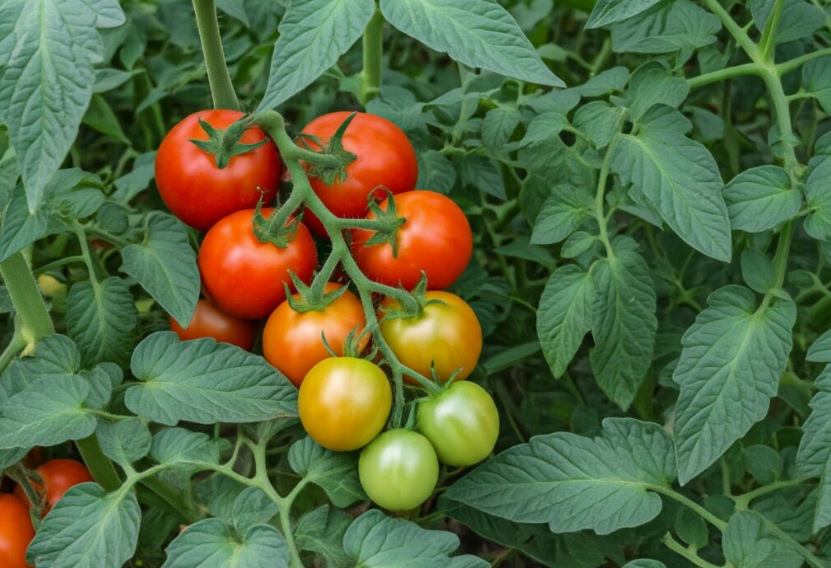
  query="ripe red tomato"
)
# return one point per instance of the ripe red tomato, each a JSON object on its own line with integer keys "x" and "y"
{"x": 445, "y": 337}
{"x": 385, "y": 157}
{"x": 210, "y": 321}
{"x": 58, "y": 476}
{"x": 196, "y": 190}
{"x": 435, "y": 238}
{"x": 399, "y": 470}
{"x": 292, "y": 340}
{"x": 344, "y": 403}
{"x": 16, "y": 532}
{"x": 243, "y": 276}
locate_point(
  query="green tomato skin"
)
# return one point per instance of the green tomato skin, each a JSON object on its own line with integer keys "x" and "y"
{"x": 462, "y": 423}
{"x": 399, "y": 470}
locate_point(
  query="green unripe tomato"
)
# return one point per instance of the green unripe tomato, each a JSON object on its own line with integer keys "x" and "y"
{"x": 399, "y": 470}
{"x": 462, "y": 423}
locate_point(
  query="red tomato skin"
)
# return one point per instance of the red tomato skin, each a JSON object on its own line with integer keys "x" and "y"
{"x": 292, "y": 341}
{"x": 196, "y": 190}
{"x": 436, "y": 238}
{"x": 16, "y": 532}
{"x": 210, "y": 321}
{"x": 243, "y": 276}
{"x": 59, "y": 476}
{"x": 385, "y": 157}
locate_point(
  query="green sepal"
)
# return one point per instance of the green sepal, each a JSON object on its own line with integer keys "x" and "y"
{"x": 416, "y": 307}
{"x": 266, "y": 232}
{"x": 223, "y": 144}
{"x": 389, "y": 222}
{"x": 309, "y": 298}
{"x": 334, "y": 147}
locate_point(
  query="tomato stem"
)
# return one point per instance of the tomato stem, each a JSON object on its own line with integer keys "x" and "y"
{"x": 35, "y": 322}
{"x": 373, "y": 58}
{"x": 222, "y": 89}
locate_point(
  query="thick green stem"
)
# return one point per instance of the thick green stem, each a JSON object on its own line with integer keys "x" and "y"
{"x": 687, "y": 553}
{"x": 99, "y": 465}
{"x": 373, "y": 58}
{"x": 768, "y": 41}
{"x": 222, "y": 89}
{"x": 35, "y": 322}
{"x": 695, "y": 507}
{"x": 723, "y": 74}
{"x": 743, "y": 501}
{"x": 798, "y": 62}
{"x": 599, "y": 199}
{"x": 735, "y": 30}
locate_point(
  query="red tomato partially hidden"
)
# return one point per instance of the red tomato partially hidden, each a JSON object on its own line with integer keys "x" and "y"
{"x": 210, "y": 321}
{"x": 196, "y": 190}
{"x": 435, "y": 238}
{"x": 385, "y": 157}
{"x": 292, "y": 340}
{"x": 59, "y": 476}
{"x": 16, "y": 532}
{"x": 243, "y": 276}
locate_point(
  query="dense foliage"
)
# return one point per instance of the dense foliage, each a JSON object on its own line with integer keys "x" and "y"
{"x": 640, "y": 338}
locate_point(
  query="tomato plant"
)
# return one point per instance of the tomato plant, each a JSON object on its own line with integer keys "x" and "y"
{"x": 552, "y": 277}
{"x": 210, "y": 321}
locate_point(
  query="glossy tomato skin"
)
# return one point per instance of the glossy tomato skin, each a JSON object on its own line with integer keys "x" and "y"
{"x": 243, "y": 276}
{"x": 292, "y": 340}
{"x": 446, "y": 336}
{"x": 435, "y": 238}
{"x": 58, "y": 476}
{"x": 385, "y": 157}
{"x": 196, "y": 190}
{"x": 462, "y": 423}
{"x": 16, "y": 532}
{"x": 399, "y": 470}
{"x": 344, "y": 403}
{"x": 210, "y": 321}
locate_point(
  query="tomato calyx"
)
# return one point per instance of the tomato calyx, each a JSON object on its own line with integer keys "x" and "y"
{"x": 410, "y": 309}
{"x": 333, "y": 147}
{"x": 224, "y": 143}
{"x": 388, "y": 223}
{"x": 310, "y": 298}
{"x": 269, "y": 230}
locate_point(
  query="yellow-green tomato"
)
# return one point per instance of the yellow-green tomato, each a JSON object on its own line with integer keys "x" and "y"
{"x": 344, "y": 403}
{"x": 462, "y": 423}
{"x": 399, "y": 470}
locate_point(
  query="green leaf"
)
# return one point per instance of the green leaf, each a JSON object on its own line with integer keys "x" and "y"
{"x": 599, "y": 122}
{"x": 820, "y": 350}
{"x": 799, "y": 19}
{"x": 476, "y": 33}
{"x": 758, "y": 271}
{"x": 321, "y": 531}
{"x": 645, "y": 564}
{"x": 623, "y": 322}
{"x": 205, "y": 382}
{"x": 48, "y": 414}
{"x": 335, "y": 472}
{"x": 818, "y": 196}
{"x": 562, "y": 213}
{"x": 652, "y": 84}
{"x": 544, "y": 127}
{"x": 54, "y": 356}
{"x": 253, "y": 507}
{"x": 814, "y": 456}
{"x": 761, "y": 198}
{"x": 692, "y": 529}
{"x": 748, "y": 543}
{"x": 375, "y": 541}
{"x": 131, "y": 184}
{"x": 498, "y": 126}
{"x": 183, "y": 449}
{"x": 733, "y": 352}
{"x": 575, "y": 483}
{"x": 313, "y": 36}
{"x": 822, "y": 512}
{"x": 610, "y": 11}
{"x": 47, "y": 52}
{"x": 100, "y": 117}
{"x": 564, "y": 316}
{"x": 101, "y": 318}
{"x": 680, "y": 178}
{"x": 483, "y": 173}
{"x": 21, "y": 227}
{"x": 235, "y": 9}
{"x": 165, "y": 265}
{"x": 670, "y": 27}
{"x": 763, "y": 463}
{"x": 435, "y": 172}
{"x": 88, "y": 529}
{"x": 816, "y": 80}
{"x": 214, "y": 544}
{"x": 609, "y": 81}
{"x": 124, "y": 441}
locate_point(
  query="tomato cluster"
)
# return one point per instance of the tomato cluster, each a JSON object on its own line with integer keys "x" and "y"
{"x": 416, "y": 240}
{"x": 16, "y": 531}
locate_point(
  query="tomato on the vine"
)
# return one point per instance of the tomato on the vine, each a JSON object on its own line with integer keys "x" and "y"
{"x": 461, "y": 422}
{"x": 399, "y": 470}
{"x": 58, "y": 477}
{"x": 210, "y": 321}
{"x": 243, "y": 276}
{"x": 445, "y": 337}
{"x": 16, "y": 532}
{"x": 293, "y": 340}
{"x": 344, "y": 403}
{"x": 384, "y": 158}
{"x": 435, "y": 238}
{"x": 196, "y": 190}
